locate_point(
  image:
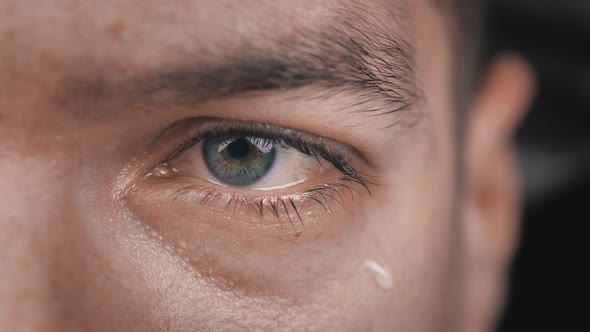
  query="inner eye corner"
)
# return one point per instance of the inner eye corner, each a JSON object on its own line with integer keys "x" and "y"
{"x": 162, "y": 170}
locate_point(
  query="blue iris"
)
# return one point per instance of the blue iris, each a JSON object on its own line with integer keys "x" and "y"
{"x": 239, "y": 161}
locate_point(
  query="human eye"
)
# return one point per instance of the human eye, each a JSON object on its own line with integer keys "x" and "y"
{"x": 273, "y": 169}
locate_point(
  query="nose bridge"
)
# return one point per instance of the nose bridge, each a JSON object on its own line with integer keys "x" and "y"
{"x": 40, "y": 255}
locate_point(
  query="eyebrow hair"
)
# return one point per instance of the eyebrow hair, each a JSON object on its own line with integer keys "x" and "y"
{"x": 352, "y": 53}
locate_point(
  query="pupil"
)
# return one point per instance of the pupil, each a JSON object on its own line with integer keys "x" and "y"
{"x": 239, "y": 148}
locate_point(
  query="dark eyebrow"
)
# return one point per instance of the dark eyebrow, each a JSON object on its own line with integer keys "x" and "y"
{"x": 350, "y": 54}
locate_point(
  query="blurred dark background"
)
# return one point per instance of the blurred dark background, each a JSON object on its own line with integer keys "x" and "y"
{"x": 550, "y": 286}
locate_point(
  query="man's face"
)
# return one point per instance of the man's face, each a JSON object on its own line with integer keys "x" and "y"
{"x": 228, "y": 165}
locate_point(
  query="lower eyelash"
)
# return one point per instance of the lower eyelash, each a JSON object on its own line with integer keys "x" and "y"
{"x": 285, "y": 209}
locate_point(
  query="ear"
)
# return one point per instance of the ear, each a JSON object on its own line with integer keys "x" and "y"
{"x": 491, "y": 201}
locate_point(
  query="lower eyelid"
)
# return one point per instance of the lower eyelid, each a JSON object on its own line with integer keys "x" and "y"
{"x": 304, "y": 203}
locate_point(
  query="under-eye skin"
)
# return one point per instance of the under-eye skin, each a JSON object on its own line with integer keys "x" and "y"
{"x": 262, "y": 169}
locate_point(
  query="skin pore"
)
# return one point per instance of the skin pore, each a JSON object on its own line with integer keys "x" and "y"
{"x": 112, "y": 220}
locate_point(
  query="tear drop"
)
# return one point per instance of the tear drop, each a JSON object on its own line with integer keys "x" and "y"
{"x": 382, "y": 275}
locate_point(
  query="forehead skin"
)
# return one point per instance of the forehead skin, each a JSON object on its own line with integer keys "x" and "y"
{"x": 66, "y": 276}
{"x": 105, "y": 32}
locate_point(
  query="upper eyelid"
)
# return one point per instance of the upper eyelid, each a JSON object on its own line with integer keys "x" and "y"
{"x": 237, "y": 128}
